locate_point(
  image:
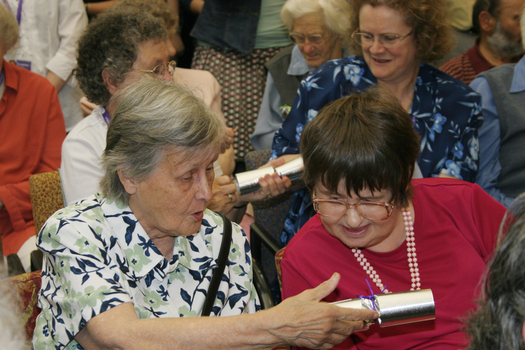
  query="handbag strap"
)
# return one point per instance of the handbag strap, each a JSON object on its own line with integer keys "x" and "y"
{"x": 221, "y": 262}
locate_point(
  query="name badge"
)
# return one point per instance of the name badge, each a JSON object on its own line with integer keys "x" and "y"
{"x": 23, "y": 64}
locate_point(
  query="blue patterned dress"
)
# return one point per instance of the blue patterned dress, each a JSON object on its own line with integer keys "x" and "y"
{"x": 98, "y": 256}
{"x": 445, "y": 112}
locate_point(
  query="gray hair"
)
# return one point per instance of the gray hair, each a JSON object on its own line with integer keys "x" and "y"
{"x": 157, "y": 8}
{"x": 498, "y": 322}
{"x": 150, "y": 117}
{"x": 335, "y": 14}
{"x": 8, "y": 28}
{"x": 112, "y": 41}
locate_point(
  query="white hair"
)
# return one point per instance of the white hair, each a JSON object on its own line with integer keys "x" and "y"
{"x": 334, "y": 13}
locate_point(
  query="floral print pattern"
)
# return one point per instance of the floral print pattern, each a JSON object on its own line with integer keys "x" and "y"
{"x": 445, "y": 112}
{"x": 98, "y": 256}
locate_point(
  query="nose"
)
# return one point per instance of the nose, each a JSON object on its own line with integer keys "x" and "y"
{"x": 352, "y": 218}
{"x": 307, "y": 47}
{"x": 376, "y": 47}
{"x": 204, "y": 188}
{"x": 167, "y": 76}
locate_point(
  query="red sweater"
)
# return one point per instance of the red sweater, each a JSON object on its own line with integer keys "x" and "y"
{"x": 467, "y": 66}
{"x": 31, "y": 132}
{"x": 455, "y": 229}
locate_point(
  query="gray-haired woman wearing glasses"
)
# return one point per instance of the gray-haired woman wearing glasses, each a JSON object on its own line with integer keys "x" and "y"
{"x": 374, "y": 224}
{"x": 392, "y": 39}
{"x": 320, "y": 31}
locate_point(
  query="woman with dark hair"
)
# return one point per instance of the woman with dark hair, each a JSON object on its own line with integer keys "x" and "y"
{"x": 375, "y": 224}
{"x": 500, "y": 321}
{"x": 392, "y": 40}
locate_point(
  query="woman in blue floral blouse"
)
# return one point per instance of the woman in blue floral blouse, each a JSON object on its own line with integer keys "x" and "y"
{"x": 392, "y": 40}
{"x": 129, "y": 268}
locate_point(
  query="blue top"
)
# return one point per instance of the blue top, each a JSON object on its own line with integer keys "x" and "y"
{"x": 490, "y": 134}
{"x": 446, "y": 113}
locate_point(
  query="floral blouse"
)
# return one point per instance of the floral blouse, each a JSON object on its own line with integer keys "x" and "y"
{"x": 445, "y": 112}
{"x": 98, "y": 256}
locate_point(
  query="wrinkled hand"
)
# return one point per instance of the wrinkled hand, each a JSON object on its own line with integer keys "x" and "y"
{"x": 304, "y": 321}
{"x": 223, "y": 186}
{"x": 227, "y": 141}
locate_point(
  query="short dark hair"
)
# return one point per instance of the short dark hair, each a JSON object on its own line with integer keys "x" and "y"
{"x": 112, "y": 41}
{"x": 498, "y": 322}
{"x": 366, "y": 139}
{"x": 491, "y": 6}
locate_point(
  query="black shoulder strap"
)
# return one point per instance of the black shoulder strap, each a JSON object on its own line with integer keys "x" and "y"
{"x": 221, "y": 262}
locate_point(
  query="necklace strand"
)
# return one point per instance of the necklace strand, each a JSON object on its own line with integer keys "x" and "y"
{"x": 411, "y": 257}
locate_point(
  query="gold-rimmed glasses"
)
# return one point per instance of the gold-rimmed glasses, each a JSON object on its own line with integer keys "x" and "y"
{"x": 335, "y": 208}
{"x": 160, "y": 70}
{"x": 313, "y": 39}
{"x": 387, "y": 40}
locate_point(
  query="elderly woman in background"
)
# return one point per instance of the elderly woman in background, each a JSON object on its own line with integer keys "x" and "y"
{"x": 319, "y": 30}
{"x": 374, "y": 224}
{"x": 201, "y": 82}
{"x": 131, "y": 267}
{"x": 392, "y": 40}
{"x": 31, "y": 131}
{"x": 118, "y": 47}
{"x": 499, "y": 323}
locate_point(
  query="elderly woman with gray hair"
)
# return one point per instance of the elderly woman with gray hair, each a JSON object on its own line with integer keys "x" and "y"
{"x": 118, "y": 47}
{"x": 319, "y": 30}
{"x": 131, "y": 267}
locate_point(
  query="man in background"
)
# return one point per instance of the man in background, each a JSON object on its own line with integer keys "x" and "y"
{"x": 497, "y": 22}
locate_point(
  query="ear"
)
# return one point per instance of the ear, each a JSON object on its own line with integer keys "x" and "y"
{"x": 487, "y": 23}
{"x": 129, "y": 184}
{"x": 111, "y": 84}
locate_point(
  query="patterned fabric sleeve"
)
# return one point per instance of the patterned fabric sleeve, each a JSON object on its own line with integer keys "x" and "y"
{"x": 98, "y": 256}
{"x": 446, "y": 114}
{"x": 78, "y": 280}
{"x": 333, "y": 80}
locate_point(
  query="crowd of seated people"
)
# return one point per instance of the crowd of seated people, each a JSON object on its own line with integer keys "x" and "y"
{"x": 267, "y": 70}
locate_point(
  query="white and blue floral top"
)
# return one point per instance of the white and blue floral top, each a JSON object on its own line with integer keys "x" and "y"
{"x": 445, "y": 112}
{"x": 98, "y": 256}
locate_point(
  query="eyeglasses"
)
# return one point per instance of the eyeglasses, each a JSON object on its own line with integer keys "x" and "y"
{"x": 387, "y": 40}
{"x": 335, "y": 209}
{"x": 160, "y": 70}
{"x": 300, "y": 39}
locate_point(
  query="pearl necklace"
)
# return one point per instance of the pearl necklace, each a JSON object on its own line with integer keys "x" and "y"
{"x": 411, "y": 257}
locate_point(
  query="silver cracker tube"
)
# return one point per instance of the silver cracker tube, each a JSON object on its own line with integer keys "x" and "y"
{"x": 248, "y": 181}
{"x": 397, "y": 308}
